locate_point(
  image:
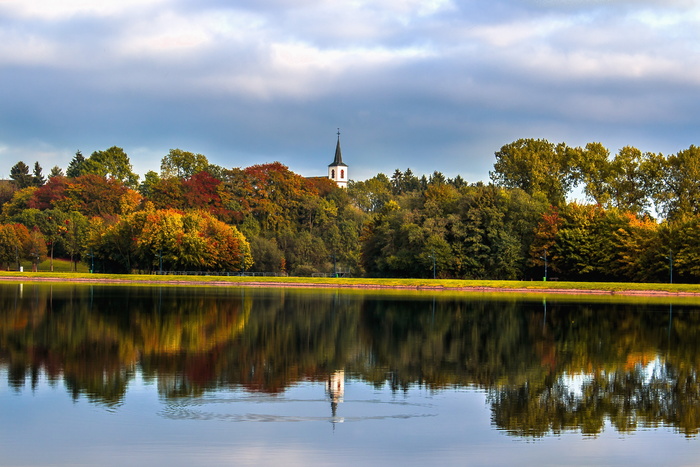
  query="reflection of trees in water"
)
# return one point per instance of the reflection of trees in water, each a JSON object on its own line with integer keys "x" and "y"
{"x": 628, "y": 399}
{"x": 573, "y": 368}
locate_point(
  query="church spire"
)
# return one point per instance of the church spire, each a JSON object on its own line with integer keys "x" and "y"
{"x": 338, "y": 170}
{"x": 338, "y": 161}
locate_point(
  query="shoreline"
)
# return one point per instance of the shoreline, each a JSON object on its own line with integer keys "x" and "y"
{"x": 359, "y": 285}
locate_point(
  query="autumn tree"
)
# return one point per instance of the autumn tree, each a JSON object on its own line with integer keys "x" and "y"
{"x": 203, "y": 191}
{"x": 173, "y": 240}
{"x": 94, "y": 195}
{"x": 19, "y": 202}
{"x": 7, "y": 190}
{"x": 14, "y": 244}
{"x": 50, "y": 194}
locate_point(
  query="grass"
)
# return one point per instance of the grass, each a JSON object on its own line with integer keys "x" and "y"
{"x": 62, "y": 268}
{"x": 59, "y": 265}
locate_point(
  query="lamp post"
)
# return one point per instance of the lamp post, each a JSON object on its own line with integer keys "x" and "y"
{"x": 670, "y": 265}
{"x": 545, "y": 264}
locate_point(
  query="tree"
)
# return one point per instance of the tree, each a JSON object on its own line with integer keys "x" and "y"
{"x": 267, "y": 255}
{"x": 164, "y": 193}
{"x": 627, "y": 181}
{"x": 593, "y": 170}
{"x": 680, "y": 192}
{"x": 150, "y": 180}
{"x": 37, "y": 177}
{"x": 7, "y": 190}
{"x": 76, "y": 167}
{"x": 182, "y": 164}
{"x": 202, "y": 191}
{"x": 56, "y": 171}
{"x": 53, "y": 225}
{"x": 191, "y": 241}
{"x": 371, "y": 195}
{"x": 13, "y": 243}
{"x": 20, "y": 174}
{"x": 50, "y": 194}
{"x": 36, "y": 248}
{"x": 93, "y": 195}
{"x": 112, "y": 163}
{"x": 75, "y": 236}
{"x": 537, "y": 167}
{"x": 19, "y": 202}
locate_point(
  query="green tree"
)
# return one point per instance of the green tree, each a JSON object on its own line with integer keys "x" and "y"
{"x": 536, "y": 166}
{"x": 628, "y": 187}
{"x": 38, "y": 178}
{"x": 20, "y": 201}
{"x": 112, "y": 163}
{"x": 182, "y": 164}
{"x": 19, "y": 173}
{"x": 680, "y": 191}
{"x": 75, "y": 236}
{"x": 56, "y": 171}
{"x": 594, "y": 171}
{"x": 53, "y": 225}
{"x": 76, "y": 167}
{"x": 150, "y": 180}
{"x": 36, "y": 248}
{"x": 371, "y": 195}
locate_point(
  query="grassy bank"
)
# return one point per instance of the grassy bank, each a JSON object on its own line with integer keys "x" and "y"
{"x": 447, "y": 284}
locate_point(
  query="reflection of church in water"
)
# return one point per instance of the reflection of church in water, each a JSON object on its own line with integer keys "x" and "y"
{"x": 335, "y": 388}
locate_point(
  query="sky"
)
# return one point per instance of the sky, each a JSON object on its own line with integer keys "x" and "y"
{"x": 421, "y": 84}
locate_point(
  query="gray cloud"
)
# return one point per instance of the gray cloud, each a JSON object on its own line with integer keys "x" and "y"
{"x": 434, "y": 85}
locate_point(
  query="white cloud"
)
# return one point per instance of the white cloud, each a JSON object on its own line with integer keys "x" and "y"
{"x": 64, "y": 9}
{"x": 26, "y": 49}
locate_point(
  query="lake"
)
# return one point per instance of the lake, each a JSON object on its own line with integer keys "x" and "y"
{"x": 181, "y": 376}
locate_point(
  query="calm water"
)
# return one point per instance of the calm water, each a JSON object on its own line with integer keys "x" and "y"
{"x": 113, "y": 375}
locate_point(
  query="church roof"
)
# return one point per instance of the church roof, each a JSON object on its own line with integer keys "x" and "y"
{"x": 338, "y": 161}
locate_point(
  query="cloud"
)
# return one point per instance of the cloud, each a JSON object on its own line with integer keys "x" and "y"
{"x": 431, "y": 85}
{"x": 49, "y": 10}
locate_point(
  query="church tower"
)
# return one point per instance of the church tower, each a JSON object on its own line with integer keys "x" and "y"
{"x": 337, "y": 170}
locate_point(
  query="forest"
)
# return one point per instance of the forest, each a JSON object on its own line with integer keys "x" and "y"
{"x": 637, "y": 219}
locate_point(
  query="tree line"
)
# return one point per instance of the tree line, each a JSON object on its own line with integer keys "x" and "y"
{"x": 638, "y": 221}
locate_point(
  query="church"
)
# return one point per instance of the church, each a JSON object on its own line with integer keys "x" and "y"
{"x": 337, "y": 170}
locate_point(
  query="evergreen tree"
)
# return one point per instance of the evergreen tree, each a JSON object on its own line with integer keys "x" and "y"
{"x": 56, "y": 171}
{"x": 20, "y": 174}
{"x": 38, "y": 178}
{"x": 76, "y": 166}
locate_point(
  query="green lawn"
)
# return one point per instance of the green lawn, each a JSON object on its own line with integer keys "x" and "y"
{"x": 59, "y": 265}
{"x": 62, "y": 268}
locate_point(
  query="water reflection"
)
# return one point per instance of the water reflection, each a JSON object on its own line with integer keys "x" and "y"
{"x": 547, "y": 366}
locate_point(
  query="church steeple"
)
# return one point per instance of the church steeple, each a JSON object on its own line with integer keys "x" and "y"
{"x": 338, "y": 170}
